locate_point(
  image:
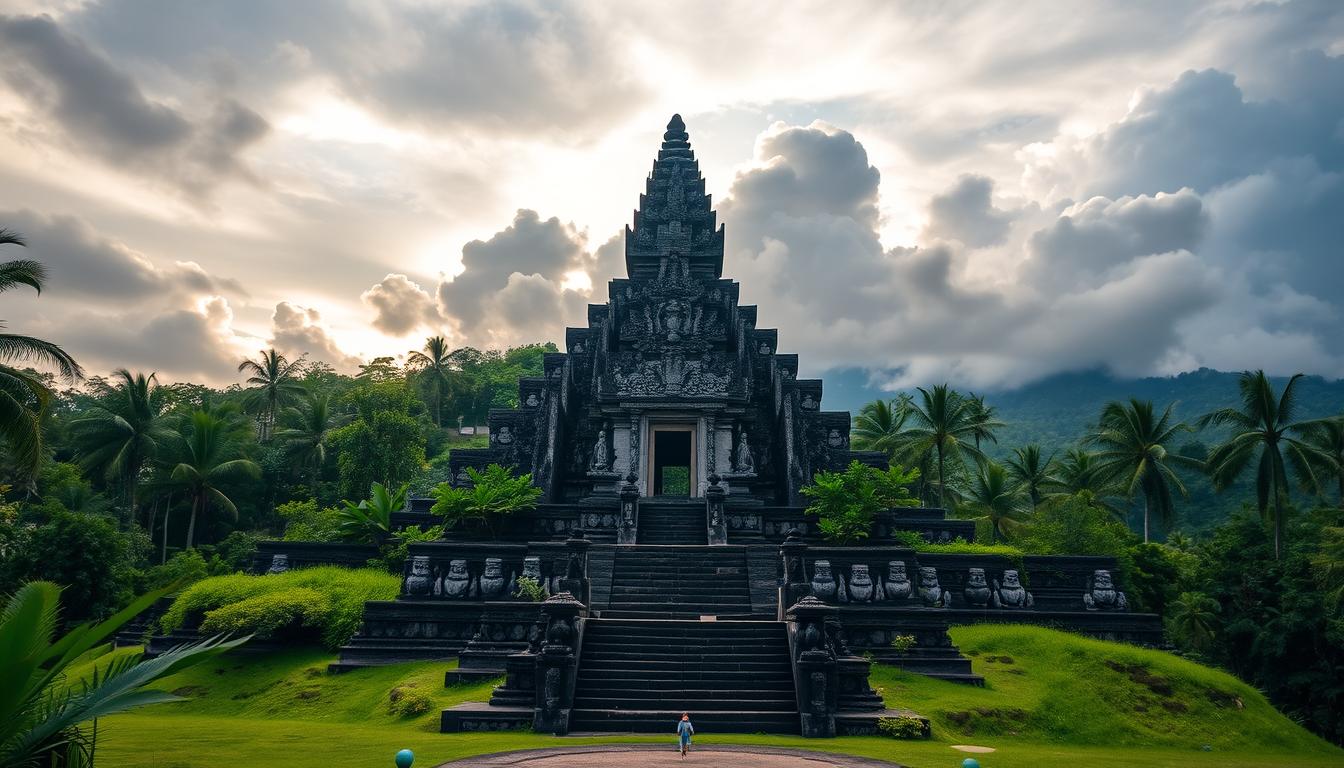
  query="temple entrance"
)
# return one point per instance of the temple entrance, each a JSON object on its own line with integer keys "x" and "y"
{"x": 672, "y": 463}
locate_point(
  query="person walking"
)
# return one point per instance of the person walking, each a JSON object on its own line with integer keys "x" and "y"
{"x": 684, "y": 732}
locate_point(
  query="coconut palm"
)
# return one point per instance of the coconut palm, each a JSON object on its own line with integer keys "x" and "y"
{"x": 997, "y": 499}
{"x": 1134, "y": 453}
{"x": 1029, "y": 470}
{"x": 1078, "y": 471}
{"x": 1326, "y": 437}
{"x": 274, "y": 378}
{"x": 878, "y": 425}
{"x": 1193, "y": 619}
{"x": 24, "y": 395}
{"x": 982, "y": 416}
{"x": 306, "y": 431}
{"x": 941, "y": 423}
{"x": 120, "y": 436}
{"x": 1263, "y": 425}
{"x": 211, "y": 454}
{"x": 433, "y": 364}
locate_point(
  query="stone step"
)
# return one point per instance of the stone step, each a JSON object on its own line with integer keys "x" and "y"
{"x": 664, "y": 721}
{"x": 636, "y": 679}
{"x": 680, "y": 615}
{"x": 696, "y": 690}
{"x": 686, "y": 703}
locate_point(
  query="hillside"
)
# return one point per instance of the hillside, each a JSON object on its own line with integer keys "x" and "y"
{"x": 1052, "y": 699}
{"x": 1055, "y": 412}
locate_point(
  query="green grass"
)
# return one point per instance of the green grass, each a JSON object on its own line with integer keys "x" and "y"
{"x": 1056, "y": 704}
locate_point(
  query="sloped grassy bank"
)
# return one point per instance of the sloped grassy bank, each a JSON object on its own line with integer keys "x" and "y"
{"x": 1052, "y": 699}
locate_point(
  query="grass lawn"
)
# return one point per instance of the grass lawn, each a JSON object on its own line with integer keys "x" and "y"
{"x": 1054, "y": 701}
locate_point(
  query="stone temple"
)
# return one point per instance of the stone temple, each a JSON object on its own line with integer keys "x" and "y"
{"x": 671, "y": 440}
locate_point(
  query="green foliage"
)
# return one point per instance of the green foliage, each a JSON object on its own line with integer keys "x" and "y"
{"x": 322, "y": 604}
{"x": 903, "y": 643}
{"x": 41, "y": 712}
{"x": 529, "y": 589}
{"x": 494, "y": 494}
{"x": 384, "y": 444}
{"x": 86, "y": 554}
{"x": 1193, "y": 620}
{"x": 960, "y": 546}
{"x": 393, "y": 553}
{"x": 305, "y": 521}
{"x": 846, "y": 503}
{"x": 182, "y": 569}
{"x": 370, "y": 520}
{"x": 1074, "y": 525}
{"x": 901, "y": 727}
{"x": 1135, "y": 450}
{"x": 406, "y": 701}
{"x": 1000, "y": 503}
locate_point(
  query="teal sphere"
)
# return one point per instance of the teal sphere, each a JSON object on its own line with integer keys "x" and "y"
{"x": 405, "y": 756}
{"x": 970, "y": 762}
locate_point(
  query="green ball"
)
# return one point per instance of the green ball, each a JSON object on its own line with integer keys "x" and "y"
{"x": 404, "y": 758}
{"x": 970, "y": 762}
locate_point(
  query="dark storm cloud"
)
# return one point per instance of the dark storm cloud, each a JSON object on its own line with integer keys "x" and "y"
{"x": 966, "y": 213}
{"x": 100, "y": 109}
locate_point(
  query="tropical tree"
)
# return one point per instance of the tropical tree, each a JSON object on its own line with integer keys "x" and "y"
{"x": 943, "y": 423}
{"x": 41, "y": 710}
{"x": 1029, "y": 470}
{"x": 275, "y": 381}
{"x": 982, "y": 416}
{"x": 434, "y": 366}
{"x": 118, "y": 437}
{"x": 1192, "y": 619}
{"x": 306, "y": 434}
{"x": 1263, "y": 431}
{"x": 878, "y": 425}
{"x": 1134, "y": 453}
{"x": 370, "y": 520}
{"x": 24, "y": 394}
{"x": 1326, "y": 438}
{"x": 210, "y": 455}
{"x": 997, "y": 500}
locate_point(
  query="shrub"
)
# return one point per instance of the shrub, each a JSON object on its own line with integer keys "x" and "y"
{"x": 530, "y": 589}
{"x": 305, "y": 521}
{"x": 903, "y": 643}
{"x": 369, "y": 521}
{"x": 392, "y": 555}
{"x": 183, "y": 568}
{"x": 405, "y": 701}
{"x": 847, "y": 503}
{"x": 335, "y": 605}
{"x": 494, "y": 493}
{"x": 901, "y": 727}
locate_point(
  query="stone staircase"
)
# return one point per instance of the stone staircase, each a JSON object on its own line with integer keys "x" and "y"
{"x": 680, "y": 582}
{"x": 672, "y": 521}
{"x": 639, "y": 675}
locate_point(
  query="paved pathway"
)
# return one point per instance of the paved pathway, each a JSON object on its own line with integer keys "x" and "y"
{"x": 657, "y": 756}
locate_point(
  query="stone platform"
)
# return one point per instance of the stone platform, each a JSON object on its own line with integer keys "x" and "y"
{"x": 654, "y": 756}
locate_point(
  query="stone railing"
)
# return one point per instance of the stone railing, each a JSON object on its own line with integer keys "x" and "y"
{"x": 828, "y": 678}
{"x": 774, "y": 523}
{"x": 280, "y": 556}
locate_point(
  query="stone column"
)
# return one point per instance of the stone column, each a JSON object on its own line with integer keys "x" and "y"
{"x": 576, "y": 580}
{"x": 557, "y": 664}
{"x": 793, "y": 584}
{"x": 627, "y": 527}
{"x": 814, "y": 666}
{"x": 715, "y": 518}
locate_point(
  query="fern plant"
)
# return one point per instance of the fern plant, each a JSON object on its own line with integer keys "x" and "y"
{"x": 494, "y": 494}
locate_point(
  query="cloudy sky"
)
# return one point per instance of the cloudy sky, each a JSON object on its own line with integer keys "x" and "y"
{"x": 982, "y": 192}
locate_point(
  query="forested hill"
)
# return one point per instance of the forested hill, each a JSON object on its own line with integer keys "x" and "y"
{"x": 1056, "y": 411}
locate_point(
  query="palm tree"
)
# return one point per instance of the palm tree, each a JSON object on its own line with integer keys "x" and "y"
{"x": 943, "y": 423}
{"x": 1264, "y": 425}
{"x": 1030, "y": 471}
{"x": 274, "y": 377}
{"x": 982, "y": 416}
{"x": 1193, "y": 619}
{"x": 1079, "y": 471}
{"x": 1134, "y": 453}
{"x": 211, "y": 454}
{"x": 308, "y": 426}
{"x": 1326, "y": 437}
{"x": 879, "y": 423}
{"x": 120, "y": 436}
{"x": 24, "y": 395}
{"x": 434, "y": 365}
{"x": 997, "y": 499}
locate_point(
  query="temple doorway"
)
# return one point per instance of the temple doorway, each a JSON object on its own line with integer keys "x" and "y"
{"x": 672, "y": 463}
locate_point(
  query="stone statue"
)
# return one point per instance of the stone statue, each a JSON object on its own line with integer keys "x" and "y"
{"x": 504, "y": 436}
{"x": 823, "y": 582}
{"x": 493, "y": 584}
{"x": 421, "y": 579}
{"x": 279, "y": 564}
{"x": 834, "y": 439}
{"x": 898, "y": 582}
{"x": 1011, "y": 594}
{"x": 457, "y": 582}
{"x": 742, "y": 461}
{"x": 601, "y": 453}
{"x": 977, "y": 590}
{"x": 1102, "y": 594}
{"x": 531, "y": 401}
{"x": 809, "y": 403}
{"x": 933, "y": 595}
{"x": 860, "y": 584}
{"x": 532, "y": 569}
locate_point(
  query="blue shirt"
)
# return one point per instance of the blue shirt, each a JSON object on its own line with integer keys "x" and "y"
{"x": 685, "y": 729}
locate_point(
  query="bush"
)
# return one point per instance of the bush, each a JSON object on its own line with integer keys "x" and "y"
{"x": 307, "y": 522}
{"x": 392, "y": 555}
{"x": 847, "y": 503}
{"x": 903, "y": 643}
{"x": 494, "y": 494}
{"x": 85, "y": 554}
{"x": 901, "y": 727}
{"x": 186, "y": 567}
{"x": 405, "y": 701}
{"x": 529, "y": 589}
{"x": 332, "y": 617}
